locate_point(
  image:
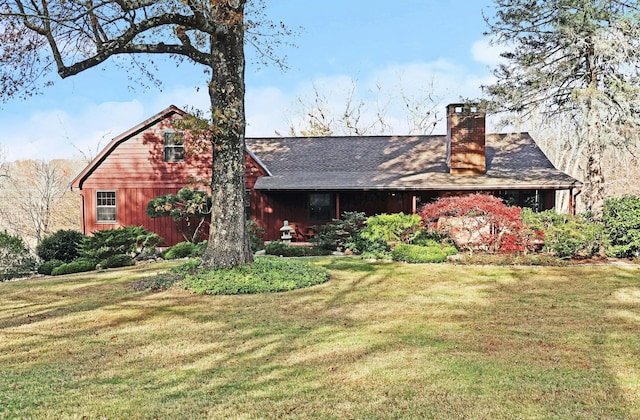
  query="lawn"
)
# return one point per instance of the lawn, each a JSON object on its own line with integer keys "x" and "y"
{"x": 378, "y": 340}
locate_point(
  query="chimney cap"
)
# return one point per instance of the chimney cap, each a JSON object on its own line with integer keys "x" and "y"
{"x": 467, "y": 108}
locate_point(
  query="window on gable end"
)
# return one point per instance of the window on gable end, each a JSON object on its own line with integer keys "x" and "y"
{"x": 173, "y": 146}
{"x": 106, "y": 207}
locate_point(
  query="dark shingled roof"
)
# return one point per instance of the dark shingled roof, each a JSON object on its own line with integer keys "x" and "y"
{"x": 514, "y": 161}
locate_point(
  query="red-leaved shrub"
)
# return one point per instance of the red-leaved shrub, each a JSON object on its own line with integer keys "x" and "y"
{"x": 478, "y": 222}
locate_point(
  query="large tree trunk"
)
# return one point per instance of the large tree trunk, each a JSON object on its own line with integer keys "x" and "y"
{"x": 228, "y": 244}
{"x": 595, "y": 194}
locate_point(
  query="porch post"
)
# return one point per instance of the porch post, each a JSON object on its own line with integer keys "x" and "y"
{"x": 414, "y": 204}
{"x": 337, "y": 205}
{"x": 572, "y": 210}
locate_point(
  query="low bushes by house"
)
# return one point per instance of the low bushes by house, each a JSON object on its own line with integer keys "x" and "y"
{"x": 264, "y": 275}
{"x": 567, "y": 236}
{"x": 621, "y": 217}
{"x": 62, "y": 245}
{"x": 48, "y": 266}
{"x": 180, "y": 250}
{"x": 377, "y": 236}
{"x": 115, "y": 261}
{"x": 478, "y": 222}
{"x": 78, "y": 266}
{"x": 431, "y": 253}
{"x": 128, "y": 240}
{"x": 282, "y": 249}
{"x": 341, "y": 234}
{"x": 394, "y": 229}
{"x": 15, "y": 258}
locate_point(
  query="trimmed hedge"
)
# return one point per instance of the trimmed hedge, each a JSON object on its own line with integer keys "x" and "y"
{"x": 126, "y": 240}
{"x": 77, "y": 266}
{"x": 114, "y": 261}
{"x": 47, "y": 267}
{"x": 181, "y": 250}
{"x": 282, "y": 249}
{"x": 434, "y": 253}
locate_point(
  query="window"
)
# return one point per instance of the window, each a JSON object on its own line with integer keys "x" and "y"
{"x": 320, "y": 207}
{"x": 523, "y": 198}
{"x": 106, "y": 206}
{"x": 173, "y": 146}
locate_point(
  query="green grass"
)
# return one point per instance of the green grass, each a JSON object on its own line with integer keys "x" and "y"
{"x": 378, "y": 340}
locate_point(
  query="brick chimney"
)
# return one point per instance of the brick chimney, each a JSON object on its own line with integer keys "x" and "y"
{"x": 466, "y": 139}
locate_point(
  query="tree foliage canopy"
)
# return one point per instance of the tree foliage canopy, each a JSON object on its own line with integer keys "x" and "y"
{"x": 576, "y": 58}
{"x": 72, "y": 36}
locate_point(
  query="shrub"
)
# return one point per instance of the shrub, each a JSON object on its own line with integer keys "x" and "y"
{"x": 566, "y": 236}
{"x": 62, "y": 245}
{"x": 341, "y": 233}
{"x": 426, "y": 237}
{"x": 478, "y": 222}
{"x": 373, "y": 248}
{"x": 120, "y": 260}
{"x": 433, "y": 253}
{"x": 256, "y": 235}
{"x": 621, "y": 218}
{"x": 78, "y": 266}
{"x": 47, "y": 267}
{"x": 199, "y": 249}
{"x": 392, "y": 228}
{"x": 283, "y": 249}
{"x": 126, "y": 240}
{"x": 189, "y": 210}
{"x": 264, "y": 275}
{"x": 15, "y": 258}
{"x": 181, "y": 250}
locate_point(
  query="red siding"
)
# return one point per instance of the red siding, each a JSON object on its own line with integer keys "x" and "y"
{"x": 136, "y": 170}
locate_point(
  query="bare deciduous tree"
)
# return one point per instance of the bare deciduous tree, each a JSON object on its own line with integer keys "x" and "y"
{"x": 348, "y": 111}
{"x": 37, "y": 199}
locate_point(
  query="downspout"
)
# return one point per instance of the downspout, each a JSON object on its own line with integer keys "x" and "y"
{"x": 573, "y": 199}
{"x": 83, "y": 216}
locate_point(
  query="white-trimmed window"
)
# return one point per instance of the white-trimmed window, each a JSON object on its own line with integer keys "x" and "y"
{"x": 106, "y": 206}
{"x": 173, "y": 146}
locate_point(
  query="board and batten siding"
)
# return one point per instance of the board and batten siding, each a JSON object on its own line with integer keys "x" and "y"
{"x": 135, "y": 169}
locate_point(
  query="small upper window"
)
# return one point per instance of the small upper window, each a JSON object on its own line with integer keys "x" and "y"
{"x": 106, "y": 206}
{"x": 173, "y": 146}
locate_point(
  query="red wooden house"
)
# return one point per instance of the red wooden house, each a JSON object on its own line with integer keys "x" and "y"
{"x": 309, "y": 181}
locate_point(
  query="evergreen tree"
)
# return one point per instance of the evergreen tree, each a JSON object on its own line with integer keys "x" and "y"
{"x": 576, "y": 59}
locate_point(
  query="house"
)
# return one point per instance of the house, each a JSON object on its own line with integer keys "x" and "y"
{"x": 309, "y": 181}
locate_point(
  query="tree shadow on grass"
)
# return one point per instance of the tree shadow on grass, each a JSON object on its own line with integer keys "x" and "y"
{"x": 379, "y": 340}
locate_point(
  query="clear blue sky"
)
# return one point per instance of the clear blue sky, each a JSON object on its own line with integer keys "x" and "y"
{"x": 374, "y": 42}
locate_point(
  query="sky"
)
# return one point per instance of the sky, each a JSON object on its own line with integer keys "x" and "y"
{"x": 382, "y": 47}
